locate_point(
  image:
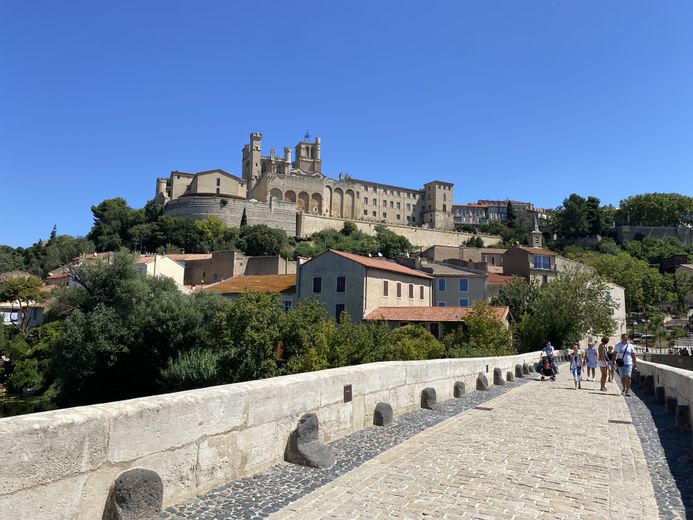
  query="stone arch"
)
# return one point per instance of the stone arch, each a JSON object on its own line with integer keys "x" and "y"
{"x": 445, "y": 208}
{"x": 316, "y": 203}
{"x": 337, "y": 202}
{"x": 328, "y": 199}
{"x": 276, "y": 194}
{"x": 303, "y": 202}
{"x": 349, "y": 204}
{"x": 290, "y": 196}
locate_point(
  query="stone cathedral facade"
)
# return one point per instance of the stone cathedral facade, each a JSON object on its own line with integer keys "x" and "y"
{"x": 296, "y": 180}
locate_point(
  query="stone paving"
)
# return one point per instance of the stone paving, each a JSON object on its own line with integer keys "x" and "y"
{"x": 576, "y": 457}
{"x": 533, "y": 450}
{"x": 666, "y": 450}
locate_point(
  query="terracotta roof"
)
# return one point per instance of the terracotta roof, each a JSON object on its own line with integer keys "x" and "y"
{"x": 279, "y": 283}
{"x": 379, "y": 263}
{"x": 538, "y": 250}
{"x": 184, "y": 257}
{"x": 499, "y": 279}
{"x": 441, "y": 314}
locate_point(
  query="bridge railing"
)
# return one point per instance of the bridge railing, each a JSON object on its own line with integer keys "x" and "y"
{"x": 63, "y": 463}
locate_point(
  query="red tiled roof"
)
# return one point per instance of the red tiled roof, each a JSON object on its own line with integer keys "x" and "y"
{"x": 383, "y": 265}
{"x": 538, "y": 250}
{"x": 279, "y": 283}
{"x": 499, "y": 279}
{"x": 433, "y": 314}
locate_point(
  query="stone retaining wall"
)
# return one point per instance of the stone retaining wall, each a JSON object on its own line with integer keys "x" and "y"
{"x": 62, "y": 464}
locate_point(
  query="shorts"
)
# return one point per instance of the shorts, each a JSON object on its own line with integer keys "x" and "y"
{"x": 625, "y": 371}
{"x": 577, "y": 373}
{"x": 601, "y": 364}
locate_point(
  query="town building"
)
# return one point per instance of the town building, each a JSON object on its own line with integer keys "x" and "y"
{"x": 488, "y": 211}
{"x": 345, "y": 282}
{"x": 437, "y": 320}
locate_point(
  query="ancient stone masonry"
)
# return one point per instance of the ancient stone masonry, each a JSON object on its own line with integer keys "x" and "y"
{"x": 275, "y": 183}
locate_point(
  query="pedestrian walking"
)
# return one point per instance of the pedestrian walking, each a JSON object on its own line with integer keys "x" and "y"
{"x": 626, "y": 362}
{"x": 577, "y": 361}
{"x": 610, "y": 360}
{"x": 591, "y": 358}
{"x": 602, "y": 362}
{"x": 549, "y": 352}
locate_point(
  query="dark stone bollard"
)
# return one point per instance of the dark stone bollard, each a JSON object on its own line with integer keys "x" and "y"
{"x": 481, "y": 382}
{"x": 649, "y": 385}
{"x": 509, "y": 376}
{"x": 660, "y": 394}
{"x": 428, "y": 398}
{"x": 525, "y": 368}
{"x": 459, "y": 389}
{"x": 382, "y": 416}
{"x": 670, "y": 404}
{"x": 498, "y": 377}
{"x": 137, "y": 493}
{"x": 304, "y": 447}
{"x": 683, "y": 418}
{"x": 518, "y": 371}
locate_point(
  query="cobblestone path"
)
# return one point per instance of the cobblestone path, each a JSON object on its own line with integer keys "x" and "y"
{"x": 542, "y": 450}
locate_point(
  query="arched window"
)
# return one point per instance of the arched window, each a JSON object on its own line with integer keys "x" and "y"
{"x": 445, "y": 208}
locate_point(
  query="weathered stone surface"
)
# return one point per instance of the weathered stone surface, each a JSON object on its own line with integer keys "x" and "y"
{"x": 459, "y": 389}
{"x": 382, "y": 416}
{"x": 498, "y": 377}
{"x": 136, "y": 495}
{"x": 525, "y": 368}
{"x": 670, "y": 403}
{"x": 660, "y": 394}
{"x": 428, "y": 398}
{"x": 649, "y": 385}
{"x": 481, "y": 382}
{"x": 683, "y": 417}
{"x": 304, "y": 446}
{"x": 518, "y": 371}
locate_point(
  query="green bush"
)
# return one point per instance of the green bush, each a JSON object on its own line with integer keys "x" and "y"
{"x": 191, "y": 369}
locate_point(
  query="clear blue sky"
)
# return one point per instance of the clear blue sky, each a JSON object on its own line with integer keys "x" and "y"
{"x": 531, "y": 100}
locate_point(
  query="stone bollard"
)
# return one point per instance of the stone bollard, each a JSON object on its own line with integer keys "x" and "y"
{"x": 670, "y": 404}
{"x": 682, "y": 420}
{"x": 137, "y": 493}
{"x": 649, "y": 385}
{"x": 382, "y": 416}
{"x": 498, "y": 377}
{"x": 481, "y": 382}
{"x": 304, "y": 447}
{"x": 509, "y": 376}
{"x": 525, "y": 368}
{"x": 518, "y": 371}
{"x": 459, "y": 389}
{"x": 660, "y": 394}
{"x": 428, "y": 398}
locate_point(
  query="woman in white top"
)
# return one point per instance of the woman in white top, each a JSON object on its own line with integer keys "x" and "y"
{"x": 591, "y": 358}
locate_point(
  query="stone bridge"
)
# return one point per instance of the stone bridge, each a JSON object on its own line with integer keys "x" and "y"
{"x": 476, "y": 438}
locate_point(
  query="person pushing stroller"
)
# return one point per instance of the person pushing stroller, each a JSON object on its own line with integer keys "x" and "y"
{"x": 548, "y": 352}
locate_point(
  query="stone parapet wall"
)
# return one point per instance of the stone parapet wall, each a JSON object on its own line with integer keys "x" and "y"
{"x": 275, "y": 214}
{"x": 62, "y": 464}
{"x": 419, "y": 236}
{"x": 677, "y": 382}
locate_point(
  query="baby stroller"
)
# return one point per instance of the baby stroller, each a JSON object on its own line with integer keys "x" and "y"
{"x": 546, "y": 369}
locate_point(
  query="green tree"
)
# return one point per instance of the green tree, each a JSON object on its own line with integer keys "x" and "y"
{"x": 656, "y": 209}
{"x": 572, "y": 218}
{"x": 567, "y": 308}
{"x": 518, "y": 295}
{"x": 510, "y": 214}
{"x": 244, "y": 219}
{"x": 390, "y": 244}
{"x": 353, "y": 344}
{"x": 413, "y": 342}
{"x": 262, "y": 240}
{"x": 482, "y": 334}
{"x": 305, "y": 337}
{"x": 192, "y": 369}
{"x": 112, "y": 219}
{"x": 349, "y": 228}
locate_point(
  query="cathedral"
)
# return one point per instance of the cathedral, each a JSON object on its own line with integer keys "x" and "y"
{"x": 299, "y": 181}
